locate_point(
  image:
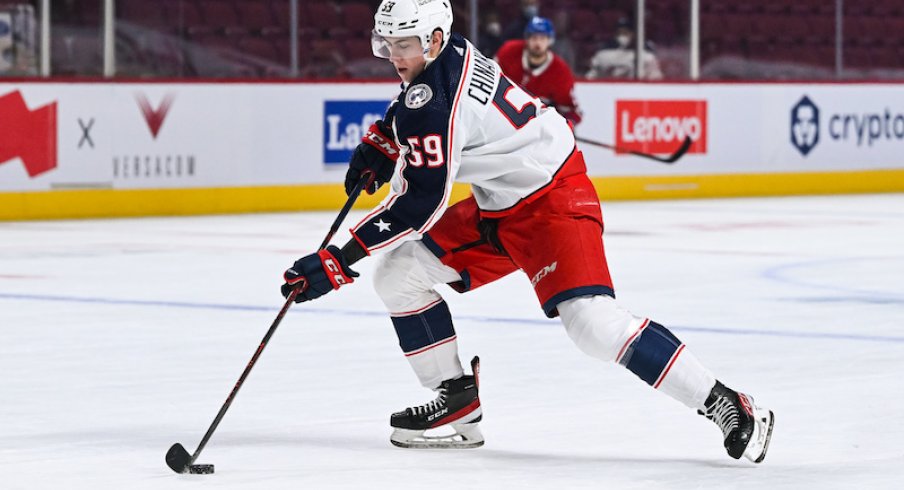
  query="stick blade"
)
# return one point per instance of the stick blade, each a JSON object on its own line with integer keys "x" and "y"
{"x": 178, "y": 459}
{"x": 685, "y": 145}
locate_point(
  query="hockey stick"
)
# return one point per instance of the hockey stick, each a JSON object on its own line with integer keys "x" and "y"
{"x": 177, "y": 458}
{"x": 685, "y": 145}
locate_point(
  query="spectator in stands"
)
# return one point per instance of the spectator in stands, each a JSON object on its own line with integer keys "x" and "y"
{"x": 491, "y": 35}
{"x": 515, "y": 29}
{"x": 616, "y": 58}
{"x": 530, "y": 62}
{"x": 563, "y": 46}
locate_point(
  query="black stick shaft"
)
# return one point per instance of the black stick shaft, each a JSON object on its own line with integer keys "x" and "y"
{"x": 344, "y": 211}
{"x": 238, "y": 384}
{"x": 685, "y": 145}
{"x": 279, "y": 317}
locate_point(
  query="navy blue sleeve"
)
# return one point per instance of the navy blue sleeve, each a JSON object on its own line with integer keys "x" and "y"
{"x": 425, "y": 126}
{"x": 415, "y": 204}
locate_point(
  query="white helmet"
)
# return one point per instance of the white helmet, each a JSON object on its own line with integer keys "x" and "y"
{"x": 406, "y": 18}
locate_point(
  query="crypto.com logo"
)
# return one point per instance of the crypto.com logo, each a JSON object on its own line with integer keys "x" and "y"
{"x": 28, "y": 135}
{"x": 805, "y": 125}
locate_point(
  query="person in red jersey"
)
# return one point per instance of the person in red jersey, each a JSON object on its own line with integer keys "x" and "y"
{"x": 531, "y": 64}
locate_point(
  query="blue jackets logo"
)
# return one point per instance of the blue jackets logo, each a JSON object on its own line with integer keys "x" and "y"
{"x": 805, "y": 125}
{"x": 344, "y": 123}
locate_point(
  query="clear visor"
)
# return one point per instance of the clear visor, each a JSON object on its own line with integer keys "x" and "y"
{"x": 396, "y": 47}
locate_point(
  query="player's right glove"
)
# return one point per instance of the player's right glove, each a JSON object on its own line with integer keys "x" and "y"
{"x": 317, "y": 274}
{"x": 374, "y": 159}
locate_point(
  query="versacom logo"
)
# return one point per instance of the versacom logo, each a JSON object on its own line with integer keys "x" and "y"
{"x": 154, "y": 117}
{"x": 153, "y": 159}
{"x": 344, "y": 123}
{"x": 805, "y": 125}
{"x": 28, "y": 134}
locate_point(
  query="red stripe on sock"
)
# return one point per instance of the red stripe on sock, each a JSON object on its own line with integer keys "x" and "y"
{"x": 425, "y": 349}
{"x": 419, "y": 310}
{"x": 631, "y": 339}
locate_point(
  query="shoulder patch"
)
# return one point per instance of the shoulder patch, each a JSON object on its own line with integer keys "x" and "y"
{"x": 418, "y": 96}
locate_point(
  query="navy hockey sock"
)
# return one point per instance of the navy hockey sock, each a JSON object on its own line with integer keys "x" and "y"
{"x": 651, "y": 352}
{"x": 425, "y": 329}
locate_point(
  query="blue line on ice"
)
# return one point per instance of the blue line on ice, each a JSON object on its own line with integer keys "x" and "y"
{"x": 474, "y": 318}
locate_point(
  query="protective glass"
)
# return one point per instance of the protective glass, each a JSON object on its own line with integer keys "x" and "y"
{"x": 396, "y": 47}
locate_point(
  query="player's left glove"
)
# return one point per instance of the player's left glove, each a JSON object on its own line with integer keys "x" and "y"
{"x": 317, "y": 274}
{"x": 374, "y": 158}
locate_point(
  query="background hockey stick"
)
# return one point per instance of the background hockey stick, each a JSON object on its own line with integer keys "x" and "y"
{"x": 685, "y": 145}
{"x": 177, "y": 458}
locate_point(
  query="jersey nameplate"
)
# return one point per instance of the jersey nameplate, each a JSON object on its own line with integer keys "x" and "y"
{"x": 418, "y": 96}
{"x": 482, "y": 79}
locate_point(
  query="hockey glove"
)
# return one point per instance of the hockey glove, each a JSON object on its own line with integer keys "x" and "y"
{"x": 317, "y": 274}
{"x": 374, "y": 159}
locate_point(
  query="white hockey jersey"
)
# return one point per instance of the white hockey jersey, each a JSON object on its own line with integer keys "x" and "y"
{"x": 463, "y": 120}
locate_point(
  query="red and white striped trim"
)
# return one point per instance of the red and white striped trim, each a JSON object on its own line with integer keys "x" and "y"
{"x": 668, "y": 367}
{"x": 431, "y": 346}
{"x": 624, "y": 348}
{"x": 419, "y": 310}
{"x": 450, "y": 177}
{"x": 379, "y": 209}
{"x": 393, "y": 240}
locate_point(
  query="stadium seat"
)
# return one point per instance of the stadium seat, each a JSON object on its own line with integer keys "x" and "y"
{"x": 322, "y": 14}
{"x": 506, "y": 10}
{"x": 585, "y": 26}
{"x": 856, "y": 57}
{"x": 357, "y": 49}
{"x": 76, "y": 54}
{"x": 219, "y": 13}
{"x": 357, "y": 17}
{"x": 182, "y": 14}
{"x": 258, "y": 47}
{"x": 256, "y": 14}
{"x": 148, "y": 14}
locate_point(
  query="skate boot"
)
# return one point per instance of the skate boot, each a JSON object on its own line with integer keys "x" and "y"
{"x": 457, "y": 407}
{"x": 746, "y": 427}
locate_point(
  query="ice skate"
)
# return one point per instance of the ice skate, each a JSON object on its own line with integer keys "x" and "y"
{"x": 746, "y": 427}
{"x": 456, "y": 408}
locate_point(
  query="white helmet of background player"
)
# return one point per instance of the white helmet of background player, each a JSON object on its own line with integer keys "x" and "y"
{"x": 396, "y": 19}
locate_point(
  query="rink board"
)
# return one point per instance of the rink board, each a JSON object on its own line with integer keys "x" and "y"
{"x": 131, "y": 149}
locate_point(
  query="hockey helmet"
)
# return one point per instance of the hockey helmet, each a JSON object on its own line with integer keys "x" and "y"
{"x": 540, "y": 25}
{"x": 409, "y": 18}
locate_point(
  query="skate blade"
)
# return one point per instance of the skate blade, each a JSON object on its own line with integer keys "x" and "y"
{"x": 756, "y": 450}
{"x": 466, "y": 436}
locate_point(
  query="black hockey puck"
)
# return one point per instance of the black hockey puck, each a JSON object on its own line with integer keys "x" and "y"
{"x": 201, "y": 469}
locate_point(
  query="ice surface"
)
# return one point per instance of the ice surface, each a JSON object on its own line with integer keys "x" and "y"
{"x": 120, "y": 337}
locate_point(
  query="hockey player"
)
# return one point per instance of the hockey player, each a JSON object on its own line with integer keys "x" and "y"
{"x": 533, "y": 208}
{"x": 531, "y": 64}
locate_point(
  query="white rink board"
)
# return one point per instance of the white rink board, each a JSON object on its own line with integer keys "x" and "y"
{"x": 749, "y": 127}
{"x": 253, "y": 134}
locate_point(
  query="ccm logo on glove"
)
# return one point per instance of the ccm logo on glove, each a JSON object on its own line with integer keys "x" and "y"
{"x": 317, "y": 274}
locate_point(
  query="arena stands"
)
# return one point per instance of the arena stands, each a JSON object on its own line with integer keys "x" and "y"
{"x": 251, "y": 37}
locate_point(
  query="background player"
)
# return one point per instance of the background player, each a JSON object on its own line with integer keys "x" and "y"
{"x": 533, "y": 208}
{"x": 530, "y": 63}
